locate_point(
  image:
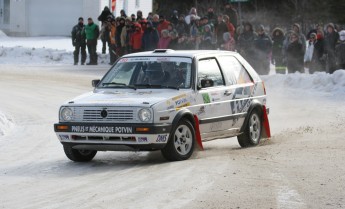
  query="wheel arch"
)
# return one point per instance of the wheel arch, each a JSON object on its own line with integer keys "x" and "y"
{"x": 256, "y": 105}
{"x": 193, "y": 119}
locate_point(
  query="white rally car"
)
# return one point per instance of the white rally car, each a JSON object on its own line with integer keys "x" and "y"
{"x": 166, "y": 100}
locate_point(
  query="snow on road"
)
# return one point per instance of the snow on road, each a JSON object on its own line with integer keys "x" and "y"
{"x": 5, "y": 124}
{"x": 300, "y": 167}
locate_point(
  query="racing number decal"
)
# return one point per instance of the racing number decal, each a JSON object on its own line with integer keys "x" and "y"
{"x": 242, "y": 105}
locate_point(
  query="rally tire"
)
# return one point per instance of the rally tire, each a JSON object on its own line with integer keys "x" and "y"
{"x": 181, "y": 142}
{"x": 79, "y": 155}
{"x": 252, "y": 132}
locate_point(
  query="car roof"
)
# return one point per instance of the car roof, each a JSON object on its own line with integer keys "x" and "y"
{"x": 180, "y": 53}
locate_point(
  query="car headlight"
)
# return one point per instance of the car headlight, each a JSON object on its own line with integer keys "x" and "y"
{"x": 145, "y": 115}
{"x": 67, "y": 114}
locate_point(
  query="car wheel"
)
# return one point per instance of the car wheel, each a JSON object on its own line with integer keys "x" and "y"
{"x": 181, "y": 142}
{"x": 79, "y": 155}
{"x": 252, "y": 133}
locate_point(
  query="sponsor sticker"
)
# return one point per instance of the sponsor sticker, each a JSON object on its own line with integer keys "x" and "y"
{"x": 183, "y": 105}
{"x": 155, "y": 59}
{"x": 170, "y": 107}
{"x": 64, "y": 137}
{"x": 162, "y": 138}
{"x": 102, "y": 129}
{"x": 206, "y": 98}
{"x": 201, "y": 111}
{"x": 179, "y": 97}
{"x": 142, "y": 139}
{"x": 181, "y": 101}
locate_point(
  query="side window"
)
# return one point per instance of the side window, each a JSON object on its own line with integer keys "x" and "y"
{"x": 209, "y": 69}
{"x": 234, "y": 71}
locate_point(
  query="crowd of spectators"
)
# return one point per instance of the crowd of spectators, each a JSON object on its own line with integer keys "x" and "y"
{"x": 289, "y": 49}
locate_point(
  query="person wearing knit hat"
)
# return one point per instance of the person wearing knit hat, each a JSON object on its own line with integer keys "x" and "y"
{"x": 314, "y": 54}
{"x": 340, "y": 51}
{"x": 331, "y": 39}
{"x": 263, "y": 48}
{"x": 278, "y": 38}
{"x": 295, "y": 54}
{"x": 301, "y": 37}
{"x": 79, "y": 42}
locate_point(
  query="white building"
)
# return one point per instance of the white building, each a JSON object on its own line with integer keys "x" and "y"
{"x": 57, "y": 17}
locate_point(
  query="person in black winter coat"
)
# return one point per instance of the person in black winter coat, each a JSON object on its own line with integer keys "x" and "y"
{"x": 119, "y": 27}
{"x": 123, "y": 14}
{"x": 340, "y": 51}
{"x": 220, "y": 29}
{"x": 104, "y": 17}
{"x": 79, "y": 42}
{"x": 174, "y": 17}
{"x": 263, "y": 48}
{"x": 278, "y": 38}
{"x": 295, "y": 54}
{"x": 245, "y": 44}
{"x": 150, "y": 38}
{"x": 232, "y": 13}
{"x": 181, "y": 26}
{"x": 331, "y": 39}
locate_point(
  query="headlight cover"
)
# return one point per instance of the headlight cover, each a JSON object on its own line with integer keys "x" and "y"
{"x": 66, "y": 114}
{"x": 145, "y": 115}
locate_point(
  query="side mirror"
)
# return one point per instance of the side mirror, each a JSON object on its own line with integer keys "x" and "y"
{"x": 95, "y": 82}
{"x": 206, "y": 83}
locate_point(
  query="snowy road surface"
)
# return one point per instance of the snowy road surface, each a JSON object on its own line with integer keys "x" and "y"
{"x": 302, "y": 166}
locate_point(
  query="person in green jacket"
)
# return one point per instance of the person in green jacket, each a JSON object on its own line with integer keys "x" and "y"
{"x": 91, "y": 32}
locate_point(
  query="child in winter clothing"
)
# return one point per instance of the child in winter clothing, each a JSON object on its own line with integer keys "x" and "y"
{"x": 164, "y": 40}
{"x": 206, "y": 41}
{"x": 229, "y": 42}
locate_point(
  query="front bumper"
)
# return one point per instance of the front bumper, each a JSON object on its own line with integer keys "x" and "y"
{"x": 111, "y": 136}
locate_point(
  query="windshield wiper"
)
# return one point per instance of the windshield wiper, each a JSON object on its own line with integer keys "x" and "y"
{"x": 156, "y": 86}
{"x": 122, "y": 85}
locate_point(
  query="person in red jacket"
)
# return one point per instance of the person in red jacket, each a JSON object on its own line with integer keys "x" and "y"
{"x": 230, "y": 26}
{"x": 163, "y": 24}
{"x": 136, "y": 38}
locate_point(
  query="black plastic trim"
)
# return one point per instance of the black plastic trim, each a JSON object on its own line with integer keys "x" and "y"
{"x": 222, "y": 118}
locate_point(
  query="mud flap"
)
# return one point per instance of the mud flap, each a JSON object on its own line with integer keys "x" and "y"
{"x": 266, "y": 132}
{"x": 197, "y": 132}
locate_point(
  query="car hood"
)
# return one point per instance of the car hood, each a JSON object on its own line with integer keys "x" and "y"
{"x": 139, "y": 97}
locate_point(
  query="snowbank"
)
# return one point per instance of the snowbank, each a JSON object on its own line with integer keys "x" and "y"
{"x": 22, "y": 55}
{"x": 5, "y": 124}
{"x": 317, "y": 82}
{"x": 3, "y": 35}
{"x": 40, "y": 50}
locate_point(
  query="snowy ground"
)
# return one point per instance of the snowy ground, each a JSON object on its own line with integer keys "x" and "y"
{"x": 301, "y": 166}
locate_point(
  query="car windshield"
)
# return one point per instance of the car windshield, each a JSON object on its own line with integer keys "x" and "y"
{"x": 149, "y": 72}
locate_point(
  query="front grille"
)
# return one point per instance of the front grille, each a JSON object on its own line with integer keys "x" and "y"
{"x": 113, "y": 114}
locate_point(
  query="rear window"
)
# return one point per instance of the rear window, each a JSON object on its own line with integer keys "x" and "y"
{"x": 233, "y": 70}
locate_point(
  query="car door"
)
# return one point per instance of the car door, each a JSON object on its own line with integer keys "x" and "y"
{"x": 240, "y": 84}
{"x": 212, "y": 95}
